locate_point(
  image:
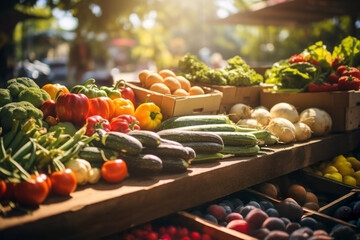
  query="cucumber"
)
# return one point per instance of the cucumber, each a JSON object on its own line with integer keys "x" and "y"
{"x": 143, "y": 165}
{"x": 183, "y": 121}
{"x": 94, "y": 156}
{"x": 190, "y": 136}
{"x": 206, "y": 157}
{"x": 241, "y": 150}
{"x": 166, "y": 141}
{"x": 204, "y": 147}
{"x": 174, "y": 165}
{"x": 147, "y": 138}
{"x": 167, "y": 150}
{"x": 237, "y": 138}
{"x": 217, "y": 128}
{"x": 260, "y": 134}
{"x": 269, "y": 140}
{"x": 121, "y": 142}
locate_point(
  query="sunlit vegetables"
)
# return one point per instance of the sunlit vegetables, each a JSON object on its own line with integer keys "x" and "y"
{"x": 318, "y": 120}
{"x": 285, "y": 110}
{"x": 81, "y": 168}
{"x": 239, "y": 111}
{"x": 282, "y": 128}
{"x": 261, "y": 115}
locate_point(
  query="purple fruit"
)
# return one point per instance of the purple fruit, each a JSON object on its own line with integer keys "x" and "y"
{"x": 303, "y": 233}
{"x": 217, "y": 211}
{"x": 272, "y": 212}
{"x": 290, "y": 209}
{"x": 245, "y": 210}
{"x": 293, "y": 226}
{"x": 228, "y": 203}
{"x": 233, "y": 216}
{"x": 285, "y": 220}
{"x": 236, "y": 202}
{"x": 210, "y": 218}
{"x": 274, "y": 223}
{"x": 277, "y": 235}
{"x": 260, "y": 233}
{"x": 255, "y": 218}
{"x": 226, "y": 208}
{"x": 265, "y": 204}
{"x": 254, "y": 203}
{"x": 356, "y": 210}
{"x": 310, "y": 223}
{"x": 344, "y": 213}
{"x": 340, "y": 232}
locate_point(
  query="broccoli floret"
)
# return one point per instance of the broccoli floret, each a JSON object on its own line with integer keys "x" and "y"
{"x": 19, "y": 111}
{"x": 35, "y": 96}
{"x": 68, "y": 127}
{"x": 16, "y": 85}
{"x": 5, "y": 97}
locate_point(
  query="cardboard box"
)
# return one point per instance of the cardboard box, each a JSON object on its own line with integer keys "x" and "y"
{"x": 343, "y": 107}
{"x": 172, "y": 106}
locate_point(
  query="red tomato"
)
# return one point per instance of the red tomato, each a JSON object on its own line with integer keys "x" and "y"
{"x": 31, "y": 192}
{"x": 2, "y": 188}
{"x": 9, "y": 192}
{"x": 63, "y": 182}
{"x": 47, "y": 180}
{"x": 114, "y": 170}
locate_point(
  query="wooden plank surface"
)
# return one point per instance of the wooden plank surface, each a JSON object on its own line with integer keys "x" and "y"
{"x": 94, "y": 211}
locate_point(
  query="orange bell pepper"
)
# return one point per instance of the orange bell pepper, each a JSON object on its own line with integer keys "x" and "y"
{"x": 53, "y": 89}
{"x": 102, "y": 106}
{"x": 123, "y": 106}
{"x": 149, "y": 116}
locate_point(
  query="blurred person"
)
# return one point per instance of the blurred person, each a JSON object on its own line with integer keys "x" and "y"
{"x": 217, "y": 61}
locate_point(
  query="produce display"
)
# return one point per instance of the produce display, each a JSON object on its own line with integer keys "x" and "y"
{"x": 318, "y": 70}
{"x": 265, "y": 219}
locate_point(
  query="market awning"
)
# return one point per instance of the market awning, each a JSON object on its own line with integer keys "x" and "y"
{"x": 292, "y": 12}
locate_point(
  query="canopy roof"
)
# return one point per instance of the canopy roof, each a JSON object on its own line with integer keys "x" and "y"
{"x": 293, "y": 12}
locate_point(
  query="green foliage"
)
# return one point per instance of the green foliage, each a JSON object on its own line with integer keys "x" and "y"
{"x": 349, "y": 51}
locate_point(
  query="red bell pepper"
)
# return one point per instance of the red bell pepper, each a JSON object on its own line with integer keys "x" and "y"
{"x": 333, "y": 78}
{"x": 124, "y": 123}
{"x": 127, "y": 93}
{"x": 324, "y": 87}
{"x": 297, "y": 58}
{"x": 48, "y": 108}
{"x": 71, "y": 107}
{"x": 351, "y": 71}
{"x": 96, "y": 122}
{"x": 349, "y": 83}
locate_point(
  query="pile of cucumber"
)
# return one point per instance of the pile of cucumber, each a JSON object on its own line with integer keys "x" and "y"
{"x": 236, "y": 140}
{"x": 145, "y": 152}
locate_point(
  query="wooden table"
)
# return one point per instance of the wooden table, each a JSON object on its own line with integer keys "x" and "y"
{"x": 95, "y": 211}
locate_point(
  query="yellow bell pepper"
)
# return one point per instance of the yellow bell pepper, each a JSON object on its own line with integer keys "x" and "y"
{"x": 123, "y": 106}
{"x": 53, "y": 89}
{"x": 148, "y": 115}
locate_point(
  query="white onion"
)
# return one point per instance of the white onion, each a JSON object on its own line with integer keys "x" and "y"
{"x": 285, "y": 110}
{"x": 282, "y": 128}
{"x": 248, "y": 123}
{"x": 262, "y": 115}
{"x": 302, "y": 131}
{"x": 239, "y": 111}
{"x": 318, "y": 120}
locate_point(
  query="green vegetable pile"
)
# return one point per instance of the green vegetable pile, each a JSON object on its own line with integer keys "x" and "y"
{"x": 237, "y": 73}
{"x": 313, "y": 65}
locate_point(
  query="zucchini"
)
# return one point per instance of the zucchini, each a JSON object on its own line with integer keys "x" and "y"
{"x": 174, "y": 165}
{"x": 94, "y": 156}
{"x": 143, "y": 165}
{"x": 147, "y": 138}
{"x": 167, "y": 150}
{"x": 190, "y": 120}
{"x": 204, "y": 147}
{"x": 190, "y": 136}
{"x": 121, "y": 142}
{"x": 191, "y": 154}
{"x": 241, "y": 150}
{"x": 217, "y": 128}
{"x": 167, "y": 141}
{"x": 206, "y": 157}
{"x": 237, "y": 138}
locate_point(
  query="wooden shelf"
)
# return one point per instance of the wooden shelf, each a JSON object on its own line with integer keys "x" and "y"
{"x": 95, "y": 211}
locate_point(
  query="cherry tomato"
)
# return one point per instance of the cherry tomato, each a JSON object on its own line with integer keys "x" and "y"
{"x": 63, "y": 182}
{"x": 47, "y": 180}
{"x": 31, "y": 192}
{"x": 114, "y": 170}
{"x": 2, "y": 188}
{"x": 9, "y": 193}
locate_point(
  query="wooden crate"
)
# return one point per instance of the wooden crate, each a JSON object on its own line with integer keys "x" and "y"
{"x": 172, "y": 106}
{"x": 343, "y": 107}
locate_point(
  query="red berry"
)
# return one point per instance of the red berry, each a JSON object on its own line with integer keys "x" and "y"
{"x": 147, "y": 227}
{"x": 162, "y": 230}
{"x": 171, "y": 230}
{"x": 205, "y": 237}
{"x": 195, "y": 236}
{"x": 139, "y": 233}
{"x": 129, "y": 236}
{"x": 186, "y": 238}
{"x": 183, "y": 231}
{"x": 152, "y": 236}
{"x": 165, "y": 237}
